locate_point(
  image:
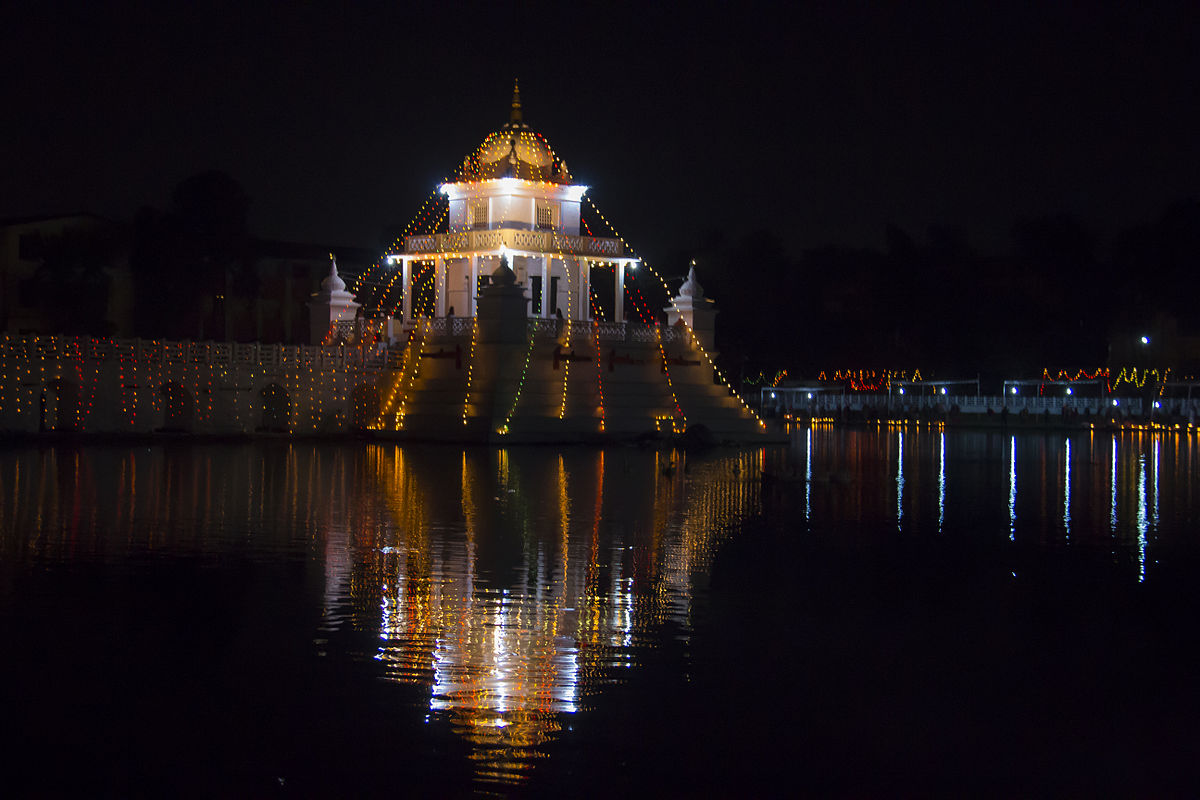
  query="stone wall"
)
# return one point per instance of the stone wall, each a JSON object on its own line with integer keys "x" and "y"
{"x": 523, "y": 381}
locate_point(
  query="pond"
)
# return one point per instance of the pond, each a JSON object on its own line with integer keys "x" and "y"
{"x": 865, "y": 610}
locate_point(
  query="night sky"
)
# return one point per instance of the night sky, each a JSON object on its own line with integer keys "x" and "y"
{"x": 824, "y": 124}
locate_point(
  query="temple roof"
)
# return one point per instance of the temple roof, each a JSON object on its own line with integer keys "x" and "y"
{"x": 514, "y": 151}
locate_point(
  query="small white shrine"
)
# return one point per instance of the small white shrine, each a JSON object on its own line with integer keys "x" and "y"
{"x": 694, "y": 309}
{"x": 332, "y": 305}
{"x": 514, "y": 199}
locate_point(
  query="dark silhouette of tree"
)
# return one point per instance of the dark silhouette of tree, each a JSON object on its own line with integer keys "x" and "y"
{"x": 1154, "y": 266}
{"x": 73, "y": 282}
{"x": 188, "y": 262}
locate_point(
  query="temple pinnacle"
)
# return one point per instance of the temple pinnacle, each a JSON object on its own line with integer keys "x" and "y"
{"x": 515, "y": 118}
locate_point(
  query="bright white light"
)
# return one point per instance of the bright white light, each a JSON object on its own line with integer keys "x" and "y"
{"x": 772, "y": 395}
{"x": 943, "y": 390}
{"x": 901, "y": 390}
{"x": 1116, "y": 402}
{"x": 508, "y": 183}
{"x": 1014, "y": 390}
{"x": 393, "y": 259}
{"x": 810, "y": 395}
{"x": 1068, "y": 390}
{"x": 1012, "y": 490}
{"x": 1145, "y": 340}
{"x": 1157, "y": 404}
{"x": 575, "y": 192}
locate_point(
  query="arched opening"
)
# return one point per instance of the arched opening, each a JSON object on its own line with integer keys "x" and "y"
{"x": 364, "y": 406}
{"x": 178, "y": 408}
{"x": 59, "y": 407}
{"x": 276, "y": 409}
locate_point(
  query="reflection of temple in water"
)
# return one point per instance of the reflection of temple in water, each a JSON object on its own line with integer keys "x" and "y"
{"x": 515, "y": 582}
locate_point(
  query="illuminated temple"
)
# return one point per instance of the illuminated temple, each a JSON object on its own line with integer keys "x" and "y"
{"x": 502, "y": 319}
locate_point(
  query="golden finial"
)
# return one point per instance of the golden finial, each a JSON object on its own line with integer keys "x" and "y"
{"x": 515, "y": 118}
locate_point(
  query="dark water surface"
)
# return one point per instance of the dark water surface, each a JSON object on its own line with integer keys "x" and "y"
{"x": 894, "y": 611}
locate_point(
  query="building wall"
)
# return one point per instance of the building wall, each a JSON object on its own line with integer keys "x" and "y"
{"x": 540, "y": 381}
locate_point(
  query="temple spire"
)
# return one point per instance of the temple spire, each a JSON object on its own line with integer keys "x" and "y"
{"x": 515, "y": 118}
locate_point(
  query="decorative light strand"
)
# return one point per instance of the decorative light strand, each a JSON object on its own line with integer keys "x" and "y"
{"x": 670, "y": 386}
{"x": 599, "y": 371}
{"x": 470, "y": 368}
{"x": 503, "y": 429}
{"x": 695, "y": 339}
{"x": 412, "y": 377}
{"x": 566, "y": 362}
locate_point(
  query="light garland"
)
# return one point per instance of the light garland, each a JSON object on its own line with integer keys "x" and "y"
{"x": 662, "y": 351}
{"x": 388, "y": 407}
{"x": 1130, "y": 375}
{"x": 195, "y": 385}
{"x": 692, "y": 334}
{"x": 869, "y": 380}
{"x": 562, "y": 410}
{"x": 1065, "y": 377}
{"x": 470, "y": 368}
{"x": 412, "y": 377}
{"x": 503, "y": 429}
{"x": 599, "y": 372}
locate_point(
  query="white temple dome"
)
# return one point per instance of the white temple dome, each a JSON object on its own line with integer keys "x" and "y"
{"x": 515, "y": 151}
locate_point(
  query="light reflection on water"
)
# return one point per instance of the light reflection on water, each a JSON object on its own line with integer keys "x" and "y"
{"x": 955, "y": 474}
{"x": 512, "y": 586}
{"x": 543, "y": 584}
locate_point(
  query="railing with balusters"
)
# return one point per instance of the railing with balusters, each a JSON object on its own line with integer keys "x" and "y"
{"x": 460, "y": 242}
{"x": 798, "y": 399}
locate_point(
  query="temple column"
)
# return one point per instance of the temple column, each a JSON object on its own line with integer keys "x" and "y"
{"x": 585, "y": 290}
{"x": 573, "y": 288}
{"x": 439, "y": 287}
{"x": 406, "y": 298}
{"x": 545, "y": 286}
{"x": 619, "y": 288}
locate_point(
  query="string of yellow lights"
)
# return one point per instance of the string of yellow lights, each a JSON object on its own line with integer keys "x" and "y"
{"x": 599, "y": 371}
{"x": 562, "y": 410}
{"x": 470, "y": 368}
{"x": 504, "y": 427}
{"x": 413, "y": 373}
{"x": 692, "y": 335}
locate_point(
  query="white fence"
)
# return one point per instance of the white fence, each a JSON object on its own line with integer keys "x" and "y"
{"x": 816, "y": 402}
